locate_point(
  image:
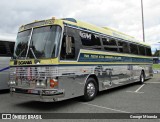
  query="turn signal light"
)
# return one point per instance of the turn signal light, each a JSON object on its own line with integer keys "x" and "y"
{"x": 53, "y": 83}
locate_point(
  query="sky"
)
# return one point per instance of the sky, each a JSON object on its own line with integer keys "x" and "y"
{"x": 122, "y": 15}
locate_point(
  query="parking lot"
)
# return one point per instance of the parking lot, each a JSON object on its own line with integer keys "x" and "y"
{"x": 133, "y": 98}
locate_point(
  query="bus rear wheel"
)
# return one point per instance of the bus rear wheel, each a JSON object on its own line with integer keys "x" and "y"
{"x": 90, "y": 89}
{"x": 142, "y": 77}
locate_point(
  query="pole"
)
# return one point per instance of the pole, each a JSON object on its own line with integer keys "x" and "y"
{"x": 142, "y": 21}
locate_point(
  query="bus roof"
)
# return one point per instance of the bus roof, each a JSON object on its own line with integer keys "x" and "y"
{"x": 102, "y": 30}
{"x": 86, "y": 26}
{"x": 7, "y": 38}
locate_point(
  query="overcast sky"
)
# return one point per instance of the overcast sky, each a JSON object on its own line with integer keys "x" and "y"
{"x": 122, "y": 15}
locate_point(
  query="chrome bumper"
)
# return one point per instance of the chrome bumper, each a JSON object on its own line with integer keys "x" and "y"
{"x": 45, "y": 95}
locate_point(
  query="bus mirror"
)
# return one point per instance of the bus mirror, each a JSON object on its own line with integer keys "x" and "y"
{"x": 68, "y": 45}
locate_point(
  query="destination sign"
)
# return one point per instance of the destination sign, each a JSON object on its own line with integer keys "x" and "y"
{"x": 37, "y": 24}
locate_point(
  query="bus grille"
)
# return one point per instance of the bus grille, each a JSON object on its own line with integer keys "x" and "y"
{"x": 32, "y": 73}
{"x": 42, "y": 73}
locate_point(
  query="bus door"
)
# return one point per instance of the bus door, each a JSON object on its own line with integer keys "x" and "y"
{"x": 70, "y": 47}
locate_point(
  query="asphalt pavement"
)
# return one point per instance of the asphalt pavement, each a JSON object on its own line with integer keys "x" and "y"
{"x": 132, "y": 98}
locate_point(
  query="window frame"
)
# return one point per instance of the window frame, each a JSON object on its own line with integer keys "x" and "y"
{"x": 110, "y": 46}
{"x": 127, "y": 44}
{"x": 137, "y": 52}
{"x": 116, "y": 39}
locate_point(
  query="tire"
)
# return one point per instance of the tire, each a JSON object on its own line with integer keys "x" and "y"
{"x": 90, "y": 89}
{"x": 142, "y": 77}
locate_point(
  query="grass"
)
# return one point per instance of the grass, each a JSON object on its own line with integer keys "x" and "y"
{"x": 156, "y": 66}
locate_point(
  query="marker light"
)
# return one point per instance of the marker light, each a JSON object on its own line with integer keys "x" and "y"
{"x": 53, "y": 83}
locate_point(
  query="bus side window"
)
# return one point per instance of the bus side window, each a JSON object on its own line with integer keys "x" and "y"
{"x": 141, "y": 50}
{"x": 90, "y": 40}
{"x": 3, "y": 49}
{"x": 134, "y": 49}
{"x": 110, "y": 44}
{"x": 148, "y": 52}
{"x": 123, "y": 47}
{"x": 68, "y": 48}
{"x": 7, "y": 48}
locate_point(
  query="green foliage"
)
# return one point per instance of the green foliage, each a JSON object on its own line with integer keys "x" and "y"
{"x": 157, "y": 53}
{"x": 156, "y": 66}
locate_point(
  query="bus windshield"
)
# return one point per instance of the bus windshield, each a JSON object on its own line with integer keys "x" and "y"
{"x": 42, "y": 42}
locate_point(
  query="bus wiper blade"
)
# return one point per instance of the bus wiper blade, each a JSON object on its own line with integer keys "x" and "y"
{"x": 33, "y": 53}
{"x": 20, "y": 53}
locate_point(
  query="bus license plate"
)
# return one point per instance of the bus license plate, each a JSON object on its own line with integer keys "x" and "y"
{"x": 33, "y": 91}
{"x": 25, "y": 83}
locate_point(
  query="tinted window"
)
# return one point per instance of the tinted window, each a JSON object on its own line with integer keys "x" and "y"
{"x": 11, "y": 47}
{"x": 148, "y": 51}
{"x": 134, "y": 49}
{"x": 110, "y": 44}
{"x": 141, "y": 50}
{"x": 6, "y": 48}
{"x": 3, "y": 50}
{"x": 123, "y": 47}
{"x": 89, "y": 39}
{"x": 71, "y": 54}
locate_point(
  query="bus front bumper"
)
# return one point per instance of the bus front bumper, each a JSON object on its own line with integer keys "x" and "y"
{"x": 45, "y": 95}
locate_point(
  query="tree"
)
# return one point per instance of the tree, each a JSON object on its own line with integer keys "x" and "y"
{"x": 157, "y": 53}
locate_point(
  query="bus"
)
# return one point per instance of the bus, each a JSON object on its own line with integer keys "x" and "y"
{"x": 58, "y": 59}
{"x": 6, "y": 52}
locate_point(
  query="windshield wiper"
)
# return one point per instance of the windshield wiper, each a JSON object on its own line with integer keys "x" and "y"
{"x": 20, "y": 53}
{"x": 33, "y": 52}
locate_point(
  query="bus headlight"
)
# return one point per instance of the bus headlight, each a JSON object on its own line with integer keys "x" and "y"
{"x": 12, "y": 83}
{"x": 41, "y": 83}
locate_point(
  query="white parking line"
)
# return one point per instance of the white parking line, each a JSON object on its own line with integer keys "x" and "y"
{"x": 139, "y": 88}
{"x": 105, "y": 108}
{"x": 137, "y": 91}
{"x": 153, "y": 82}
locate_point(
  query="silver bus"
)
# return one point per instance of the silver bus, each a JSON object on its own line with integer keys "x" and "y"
{"x": 58, "y": 59}
{"x": 6, "y": 52}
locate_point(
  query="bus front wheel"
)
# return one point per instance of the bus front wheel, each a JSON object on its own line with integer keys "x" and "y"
{"x": 90, "y": 89}
{"x": 142, "y": 77}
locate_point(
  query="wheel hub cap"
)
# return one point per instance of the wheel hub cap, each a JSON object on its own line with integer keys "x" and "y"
{"x": 90, "y": 89}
